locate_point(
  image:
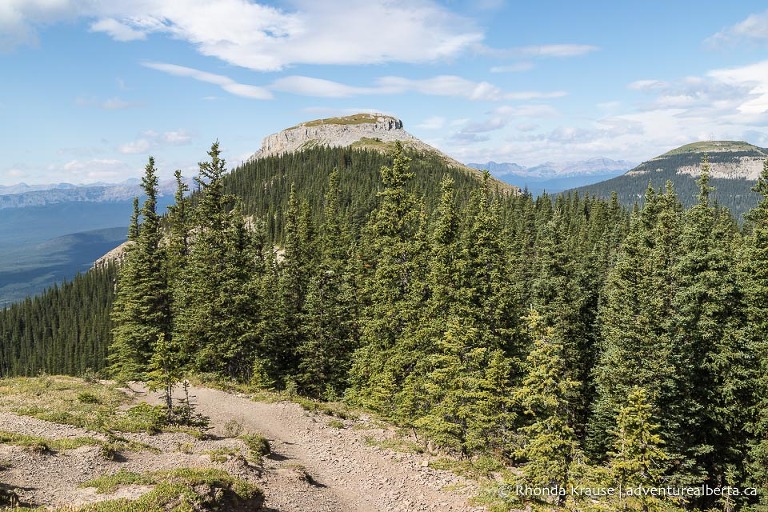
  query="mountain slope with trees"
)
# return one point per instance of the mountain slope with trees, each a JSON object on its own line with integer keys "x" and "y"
{"x": 734, "y": 169}
{"x": 585, "y": 344}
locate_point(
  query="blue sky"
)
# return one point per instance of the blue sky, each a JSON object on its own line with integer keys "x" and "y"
{"x": 90, "y": 89}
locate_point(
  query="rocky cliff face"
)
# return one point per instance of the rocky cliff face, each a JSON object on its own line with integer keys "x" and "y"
{"x": 337, "y": 132}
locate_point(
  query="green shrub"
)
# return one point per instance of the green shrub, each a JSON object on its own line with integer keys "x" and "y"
{"x": 258, "y": 446}
{"x": 87, "y": 398}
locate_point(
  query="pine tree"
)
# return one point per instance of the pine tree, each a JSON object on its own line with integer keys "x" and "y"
{"x": 550, "y": 444}
{"x": 753, "y": 275}
{"x": 165, "y": 370}
{"x": 707, "y": 413}
{"x": 213, "y": 304}
{"x": 635, "y": 316}
{"x": 637, "y": 459}
{"x": 392, "y": 275}
{"x": 179, "y": 220}
{"x": 141, "y": 313}
{"x": 329, "y": 333}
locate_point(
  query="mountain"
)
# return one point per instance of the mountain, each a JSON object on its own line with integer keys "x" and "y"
{"x": 23, "y": 196}
{"x": 556, "y": 176}
{"x": 377, "y": 132}
{"x": 734, "y": 165}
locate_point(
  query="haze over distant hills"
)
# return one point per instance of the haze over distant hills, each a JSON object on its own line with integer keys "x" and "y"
{"x": 23, "y": 195}
{"x": 50, "y": 232}
{"x": 735, "y": 166}
{"x": 556, "y": 176}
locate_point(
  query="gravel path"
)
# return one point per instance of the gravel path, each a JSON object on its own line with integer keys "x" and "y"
{"x": 348, "y": 474}
{"x": 314, "y": 467}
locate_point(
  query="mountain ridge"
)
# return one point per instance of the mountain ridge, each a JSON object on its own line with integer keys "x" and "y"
{"x": 734, "y": 168}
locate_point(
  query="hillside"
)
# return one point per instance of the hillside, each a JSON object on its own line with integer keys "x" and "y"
{"x": 734, "y": 168}
{"x": 31, "y": 268}
{"x": 377, "y": 132}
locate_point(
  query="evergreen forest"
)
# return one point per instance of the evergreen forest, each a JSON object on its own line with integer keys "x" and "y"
{"x": 585, "y": 344}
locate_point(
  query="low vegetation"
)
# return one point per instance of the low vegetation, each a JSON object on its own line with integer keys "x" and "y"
{"x": 178, "y": 490}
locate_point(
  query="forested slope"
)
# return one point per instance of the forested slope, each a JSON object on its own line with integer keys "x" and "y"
{"x": 586, "y": 345}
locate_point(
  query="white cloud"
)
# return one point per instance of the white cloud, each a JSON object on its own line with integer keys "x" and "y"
{"x": 176, "y": 137}
{"x": 135, "y": 147}
{"x": 552, "y": 50}
{"x": 753, "y": 28}
{"x": 432, "y": 123}
{"x": 94, "y": 170}
{"x": 20, "y": 18}
{"x": 513, "y": 68}
{"x": 444, "y": 85}
{"x": 226, "y": 83}
{"x": 558, "y": 50}
{"x": 534, "y": 95}
{"x": 117, "y": 30}
{"x": 261, "y": 37}
{"x": 531, "y": 111}
{"x": 308, "y": 86}
{"x": 754, "y": 79}
{"x": 108, "y": 104}
{"x": 647, "y": 85}
{"x": 151, "y": 140}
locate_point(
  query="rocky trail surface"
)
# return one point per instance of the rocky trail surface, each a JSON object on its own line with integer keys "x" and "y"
{"x": 317, "y": 464}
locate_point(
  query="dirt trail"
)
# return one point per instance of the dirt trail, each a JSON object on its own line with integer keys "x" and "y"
{"x": 314, "y": 467}
{"x": 346, "y": 474}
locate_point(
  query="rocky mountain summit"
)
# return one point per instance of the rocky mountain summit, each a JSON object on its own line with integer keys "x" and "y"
{"x": 359, "y": 130}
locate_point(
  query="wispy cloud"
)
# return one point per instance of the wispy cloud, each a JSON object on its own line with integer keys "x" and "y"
{"x": 444, "y": 85}
{"x": 541, "y": 51}
{"x": 517, "y": 67}
{"x": 108, "y": 104}
{"x": 151, "y": 140}
{"x": 226, "y": 83}
{"x": 117, "y": 30}
{"x": 754, "y": 28}
{"x": 554, "y": 50}
{"x": 308, "y": 86}
{"x": 96, "y": 169}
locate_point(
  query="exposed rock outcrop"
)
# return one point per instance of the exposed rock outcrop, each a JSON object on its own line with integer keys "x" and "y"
{"x": 363, "y": 129}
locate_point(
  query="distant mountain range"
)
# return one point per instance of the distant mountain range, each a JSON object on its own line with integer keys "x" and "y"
{"x": 23, "y": 195}
{"x": 556, "y": 176}
{"x": 735, "y": 166}
{"x": 49, "y": 233}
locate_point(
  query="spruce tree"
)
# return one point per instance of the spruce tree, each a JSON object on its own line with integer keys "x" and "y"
{"x": 753, "y": 273}
{"x": 549, "y": 441}
{"x": 391, "y": 275}
{"x": 214, "y": 310}
{"x": 329, "y": 333}
{"x": 141, "y": 313}
{"x": 709, "y": 412}
{"x": 637, "y": 459}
